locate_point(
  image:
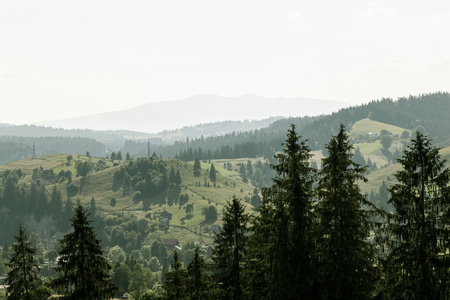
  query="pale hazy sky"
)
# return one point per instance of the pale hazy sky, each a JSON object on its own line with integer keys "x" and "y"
{"x": 61, "y": 58}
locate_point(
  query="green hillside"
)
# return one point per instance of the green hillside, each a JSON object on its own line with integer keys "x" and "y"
{"x": 365, "y": 135}
{"x": 99, "y": 184}
{"x": 387, "y": 174}
{"x": 57, "y": 162}
{"x": 372, "y": 148}
{"x": 365, "y": 126}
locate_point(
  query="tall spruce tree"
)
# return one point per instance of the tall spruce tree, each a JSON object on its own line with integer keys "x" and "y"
{"x": 345, "y": 257}
{"x": 22, "y": 279}
{"x": 93, "y": 208}
{"x": 418, "y": 232}
{"x": 258, "y": 261}
{"x": 178, "y": 178}
{"x": 231, "y": 247}
{"x": 212, "y": 173}
{"x": 283, "y": 240}
{"x": 172, "y": 176}
{"x": 198, "y": 281}
{"x": 175, "y": 284}
{"x": 83, "y": 270}
{"x": 197, "y": 168}
{"x": 56, "y": 202}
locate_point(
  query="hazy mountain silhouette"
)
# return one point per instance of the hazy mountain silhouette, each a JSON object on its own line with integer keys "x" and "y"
{"x": 159, "y": 116}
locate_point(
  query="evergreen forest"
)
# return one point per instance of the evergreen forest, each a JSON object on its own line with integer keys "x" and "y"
{"x": 352, "y": 205}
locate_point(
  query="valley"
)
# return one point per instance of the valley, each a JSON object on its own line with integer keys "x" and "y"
{"x": 143, "y": 194}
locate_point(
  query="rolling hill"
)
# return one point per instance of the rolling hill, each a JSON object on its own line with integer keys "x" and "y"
{"x": 171, "y": 115}
{"x": 132, "y": 199}
{"x": 98, "y": 184}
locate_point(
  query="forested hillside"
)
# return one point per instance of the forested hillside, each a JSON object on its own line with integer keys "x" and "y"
{"x": 263, "y": 142}
{"x": 426, "y": 113}
{"x": 14, "y": 148}
{"x": 174, "y": 228}
{"x": 40, "y": 193}
{"x": 50, "y": 140}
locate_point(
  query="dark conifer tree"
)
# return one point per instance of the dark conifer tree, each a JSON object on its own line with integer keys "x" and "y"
{"x": 198, "y": 280}
{"x": 212, "y": 173}
{"x": 41, "y": 202}
{"x": 197, "y": 168}
{"x": 175, "y": 284}
{"x": 257, "y": 260}
{"x": 256, "y": 199}
{"x": 346, "y": 259}
{"x": 122, "y": 276}
{"x": 358, "y": 158}
{"x": 418, "y": 232}
{"x": 56, "y": 202}
{"x": 10, "y": 193}
{"x": 83, "y": 270}
{"x": 249, "y": 168}
{"x": 178, "y": 178}
{"x": 172, "y": 176}
{"x": 283, "y": 232}
{"x": 164, "y": 183}
{"x": 22, "y": 279}
{"x": 66, "y": 215}
{"x": 92, "y": 208}
{"x": 231, "y": 247}
{"x": 242, "y": 169}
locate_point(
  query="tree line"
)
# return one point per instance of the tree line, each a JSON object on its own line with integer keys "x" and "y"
{"x": 147, "y": 180}
{"x": 426, "y": 113}
{"x": 13, "y": 148}
{"x": 83, "y": 271}
{"x": 316, "y": 236}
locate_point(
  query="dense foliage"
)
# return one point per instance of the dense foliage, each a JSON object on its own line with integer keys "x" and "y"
{"x": 417, "y": 235}
{"x": 83, "y": 270}
{"x": 312, "y": 237}
{"x": 23, "y": 279}
{"x": 345, "y": 260}
{"x": 46, "y": 145}
{"x": 230, "y": 250}
{"x": 426, "y": 112}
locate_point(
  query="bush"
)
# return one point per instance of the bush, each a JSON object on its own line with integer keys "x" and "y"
{"x": 72, "y": 190}
{"x": 136, "y": 197}
{"x": 386, "y": 141}
{"x": 210, "y": 213}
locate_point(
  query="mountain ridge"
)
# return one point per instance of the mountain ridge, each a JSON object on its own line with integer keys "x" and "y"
{"x": 170, "y": 115}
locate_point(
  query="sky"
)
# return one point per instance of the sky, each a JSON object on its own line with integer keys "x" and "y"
{"x": 61, "y": 59}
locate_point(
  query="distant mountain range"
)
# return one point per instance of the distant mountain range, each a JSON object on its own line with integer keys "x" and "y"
{"x": 170, "y": 115}
{"x": 116, "y": 138}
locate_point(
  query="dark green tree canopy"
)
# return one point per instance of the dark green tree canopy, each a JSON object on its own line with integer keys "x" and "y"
{"x": 283, "y": 232}
{"x": 23, "y": 281}
{"x": 175, "y": 284}
{"x": 198, "y": 281}
{"x": 417, "y": 235}
{"x": 210, "y": 213}
{"x": 197, "y": 168}
{"x": 212, "y": 173}
{"x": 83, "y": 270}
{"x": 386, "y": 141}
{"x": 230, "y": 250}
{"x": 346, "y": 260}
